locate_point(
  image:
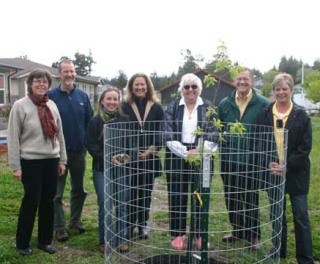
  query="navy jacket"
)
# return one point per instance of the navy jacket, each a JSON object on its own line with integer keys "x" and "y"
{"x": 75, "y": 111}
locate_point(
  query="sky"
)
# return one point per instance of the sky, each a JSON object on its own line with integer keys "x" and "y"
{"x": 149, "y": 35}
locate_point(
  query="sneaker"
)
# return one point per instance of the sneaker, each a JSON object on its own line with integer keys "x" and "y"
{"x": 24, "y": 252}
{"x": 61, "y": 235}
{"x": 199, "y": 243}
{"x": 51, "y": 249}
{"x": 178, "y": 243}
{"x": 77, "y": 227}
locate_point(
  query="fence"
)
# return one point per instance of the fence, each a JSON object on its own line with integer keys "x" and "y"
{"x": 226, "y": 188}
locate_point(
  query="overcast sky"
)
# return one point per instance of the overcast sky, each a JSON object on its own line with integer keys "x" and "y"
{"x": 148, "y": 35}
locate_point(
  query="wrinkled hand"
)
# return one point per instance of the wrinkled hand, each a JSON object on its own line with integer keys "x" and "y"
{"x": 17, "y": 174}
{"x": 150, "y": 151}
{"x": 276, "y": 168}
{"x": 61, "y": 169}
{"x": 192, "y": 152}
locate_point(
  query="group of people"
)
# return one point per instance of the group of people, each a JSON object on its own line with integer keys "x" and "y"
{"x": 49, "y": 132}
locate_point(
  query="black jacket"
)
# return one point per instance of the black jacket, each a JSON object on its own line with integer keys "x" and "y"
{"x": 94, "y": 139}
{"x": 299, "y": 147}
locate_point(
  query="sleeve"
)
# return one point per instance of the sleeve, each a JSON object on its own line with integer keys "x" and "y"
{"x": 304, "y": 145}
{"x": 88, "y": 113}
{"x": 168, "y": 122}
{"x": 14, "y": 134}
{"x": 60, "y": 136}
{"x": 177, "y": 148}
{"x": 92, "y": 140}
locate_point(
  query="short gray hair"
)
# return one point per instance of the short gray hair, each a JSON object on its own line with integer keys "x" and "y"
{"x": 190, "y": 77}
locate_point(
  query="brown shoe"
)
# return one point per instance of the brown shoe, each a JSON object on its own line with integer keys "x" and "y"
{"x": 61, "y": 235}
{"x": 123, "y": 248}
{"x": 78, "y": 227}
{"x": 105, "y": 249}
{"x": 255, "y": 243}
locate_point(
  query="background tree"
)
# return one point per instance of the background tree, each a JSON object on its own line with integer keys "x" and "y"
{"x": 316, "y": 64}
{"x": 119, "y": 81}
{"x": 56, "y": 64}
{"x": 312, "y": 86}
{"x": 82, "y": 63}
{"x": 290, "y": 66}
{"x": 191, "y": 63}
{"x": 267, "y": 82}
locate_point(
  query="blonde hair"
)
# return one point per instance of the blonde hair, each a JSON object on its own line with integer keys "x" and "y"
{"x": 283, "y": 77}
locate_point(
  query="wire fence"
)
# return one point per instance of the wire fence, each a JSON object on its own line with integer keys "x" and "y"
{"x": 227, "y": 188}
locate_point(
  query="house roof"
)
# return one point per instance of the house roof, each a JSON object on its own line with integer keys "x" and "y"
{"x": 197, "y": 72}
{"x": 24, "y": 67}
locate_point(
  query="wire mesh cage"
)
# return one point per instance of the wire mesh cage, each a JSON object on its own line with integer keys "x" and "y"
{"x": 164, "y": 206}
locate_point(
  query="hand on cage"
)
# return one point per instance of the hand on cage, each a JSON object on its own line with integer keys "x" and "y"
{"x": 120, "y": 159}
{"x": 150, "y": 151}
{"x": 276, "y": 168}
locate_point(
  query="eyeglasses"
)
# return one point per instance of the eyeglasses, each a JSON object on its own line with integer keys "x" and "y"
{"x": 193, "y": 86}
{"x": 279, "y": 123}
{"x": 40, "y": 81}
{"x": 242, "y": 79}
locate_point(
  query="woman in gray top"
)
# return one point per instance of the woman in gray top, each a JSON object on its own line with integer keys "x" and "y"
{"x": 37, "y": 156}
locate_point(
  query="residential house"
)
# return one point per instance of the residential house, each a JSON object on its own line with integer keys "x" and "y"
{"x": 14, "y": 73}
{"x": 214, "y": 93}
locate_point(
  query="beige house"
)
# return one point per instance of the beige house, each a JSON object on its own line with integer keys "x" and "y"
{"x": 14, "y": 73}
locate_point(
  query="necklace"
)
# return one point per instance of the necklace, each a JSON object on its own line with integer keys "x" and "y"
{"x": 190, "y": 112}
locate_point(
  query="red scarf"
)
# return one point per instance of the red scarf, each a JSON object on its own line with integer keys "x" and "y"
{"x": 48, "y": 125}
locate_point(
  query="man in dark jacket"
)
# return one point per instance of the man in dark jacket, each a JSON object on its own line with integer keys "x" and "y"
{"x": 240, "y": 185}
{"x": 75, "y": 111}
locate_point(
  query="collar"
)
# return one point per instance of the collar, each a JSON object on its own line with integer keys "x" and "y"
{"x": 282, "y": 115}
{"x": 198, "y": 102}
{"x": 247, "y": 97}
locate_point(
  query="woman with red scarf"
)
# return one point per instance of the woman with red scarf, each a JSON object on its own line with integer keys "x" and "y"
{"x": 37, "y": 156}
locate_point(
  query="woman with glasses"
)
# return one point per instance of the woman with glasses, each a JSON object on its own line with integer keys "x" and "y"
{"x": 280, "y": 115}
{"x": 37, "y": 156}
{"x": 182, "y": 118}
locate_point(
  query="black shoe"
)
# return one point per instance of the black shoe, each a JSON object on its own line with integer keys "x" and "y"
{"x": 24, "y": 252}
{"x": 143, "y": 233}
{"x": 51, "y": 249}
{"x": 230, "y": 238}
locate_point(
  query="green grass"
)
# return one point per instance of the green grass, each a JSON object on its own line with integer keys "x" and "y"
{"x": 85, "y": 248}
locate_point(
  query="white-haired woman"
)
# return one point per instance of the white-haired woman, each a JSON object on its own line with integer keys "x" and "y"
{"x": 182, "y": 118}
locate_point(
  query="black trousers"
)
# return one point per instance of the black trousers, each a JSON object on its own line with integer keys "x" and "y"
{"x": 140, "y": 195}
{"x": 242, "y": 199}
{"x": 39, "y": 179}
{"x": 181, "y": 182}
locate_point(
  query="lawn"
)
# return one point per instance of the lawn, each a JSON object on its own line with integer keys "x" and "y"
{"x": 84, "y": 248}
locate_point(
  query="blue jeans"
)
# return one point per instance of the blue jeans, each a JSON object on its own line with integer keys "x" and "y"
{"x": 302, "y": 230}
{"x": 112, "y": 197}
